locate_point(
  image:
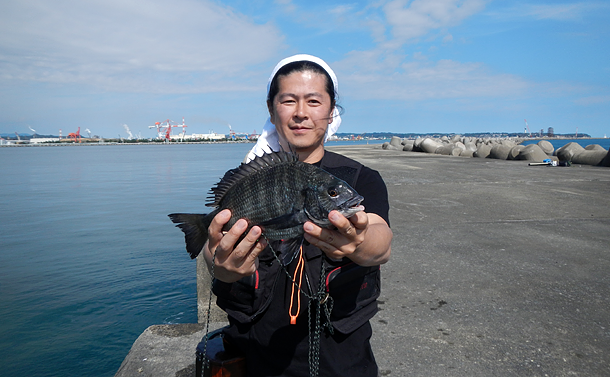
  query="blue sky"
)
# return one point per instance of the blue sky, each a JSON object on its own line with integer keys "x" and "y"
{"x": 450, "y": 66}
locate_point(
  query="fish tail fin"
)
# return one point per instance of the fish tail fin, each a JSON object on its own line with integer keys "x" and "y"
{"x": 195, "y": 228}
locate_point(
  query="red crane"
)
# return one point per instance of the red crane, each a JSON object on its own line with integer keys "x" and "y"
{"x": 75, "y": 136}
{"x": 164, "y": 129}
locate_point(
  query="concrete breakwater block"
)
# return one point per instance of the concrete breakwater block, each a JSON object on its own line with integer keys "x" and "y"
{"x": 407, "y": 145}
{"x": 500, "y": 151}
{"x": 447, "y": 150}
{"x": 594, "y": 147}
{"x": 482, "y": 151}
{"x": 546, "y": 147}
{"x": 429, "y": 145}
{"x": 568, "y": 151}
{"x": 396, "y": 141}
{"x": 417, "y": 143}
{"x": 467, "y": 153}
{"x": 387, "y": 145}
{"x": 503, "y": 149}
{"x": 514, "y": 151}
{"x": 471, "y": 146}
{"x": 532, "y": 153}
{"x": 592, "y": 157}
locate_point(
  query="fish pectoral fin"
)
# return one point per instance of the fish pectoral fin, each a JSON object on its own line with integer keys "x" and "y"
{"x": 287, "y": 249}
{"x": 286, "y": 221}
{"x": 195, "y": 228}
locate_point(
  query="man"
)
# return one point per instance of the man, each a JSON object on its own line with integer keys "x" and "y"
{"x": 261, "y": 297}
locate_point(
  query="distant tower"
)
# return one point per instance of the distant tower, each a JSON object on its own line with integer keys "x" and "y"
{"x": 60, "y": 134}
{"x": 551, "y": 132}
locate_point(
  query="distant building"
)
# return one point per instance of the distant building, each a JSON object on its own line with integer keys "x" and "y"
{"x": 39, "y": 140}
{"x": 211, "y": 136}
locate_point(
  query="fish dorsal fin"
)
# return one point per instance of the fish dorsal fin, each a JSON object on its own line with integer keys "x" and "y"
{"x": 234, "y": 176}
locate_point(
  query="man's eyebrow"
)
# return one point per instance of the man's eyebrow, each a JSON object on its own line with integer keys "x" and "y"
{"x": 308, "y": 95}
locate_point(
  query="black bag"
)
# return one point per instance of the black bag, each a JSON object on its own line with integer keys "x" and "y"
{"x": 223, "y": 361}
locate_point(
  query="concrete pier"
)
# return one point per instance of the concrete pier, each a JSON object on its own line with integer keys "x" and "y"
{"x": 498, "y": 269}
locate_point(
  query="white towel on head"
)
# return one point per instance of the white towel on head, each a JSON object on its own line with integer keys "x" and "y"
{"x": 269, "y": 140}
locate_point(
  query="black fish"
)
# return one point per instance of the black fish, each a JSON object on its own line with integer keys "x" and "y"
{"x": 278, "y": 193}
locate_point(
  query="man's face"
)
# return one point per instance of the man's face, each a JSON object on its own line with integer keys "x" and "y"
{"x": 301, "y": 111}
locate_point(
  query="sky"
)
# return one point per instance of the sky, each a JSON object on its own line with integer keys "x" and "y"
{"x": 419, "y": 66}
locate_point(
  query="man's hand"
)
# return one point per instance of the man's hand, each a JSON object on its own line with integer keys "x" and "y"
{"x": 233, "y": 260}
{"x": 364, "y": 238}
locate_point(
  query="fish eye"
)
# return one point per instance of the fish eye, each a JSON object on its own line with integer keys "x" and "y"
{"x": 333, "y": 192}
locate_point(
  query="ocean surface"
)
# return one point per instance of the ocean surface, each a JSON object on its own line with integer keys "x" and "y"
{"x": 89, "y": 258}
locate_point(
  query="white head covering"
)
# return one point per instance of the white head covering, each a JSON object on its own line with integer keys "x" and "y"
{"x": 269, "y": 139}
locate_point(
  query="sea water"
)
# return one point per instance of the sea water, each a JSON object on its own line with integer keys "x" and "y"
{"x": 88, "y": 257}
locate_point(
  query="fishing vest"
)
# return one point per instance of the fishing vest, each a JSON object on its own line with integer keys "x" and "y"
{"x": 353, "y": 289}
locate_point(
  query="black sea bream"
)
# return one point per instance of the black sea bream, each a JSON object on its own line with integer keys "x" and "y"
{"x": 278, "y": 193}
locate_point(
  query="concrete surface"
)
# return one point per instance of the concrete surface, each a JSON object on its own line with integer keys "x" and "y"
{"x": 165, "y": 350}
{"x": 498, "y": 269}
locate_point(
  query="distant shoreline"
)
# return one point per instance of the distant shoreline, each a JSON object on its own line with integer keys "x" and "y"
{"x": 117, "y": 143}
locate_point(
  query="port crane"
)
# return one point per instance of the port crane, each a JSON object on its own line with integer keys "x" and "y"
{"x": 75, "y": 136}
{"x": 164, "y": 129}
{"x": 527, "y": 128}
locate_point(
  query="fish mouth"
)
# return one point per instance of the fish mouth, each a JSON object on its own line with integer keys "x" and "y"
{"x": 352, "y": 206}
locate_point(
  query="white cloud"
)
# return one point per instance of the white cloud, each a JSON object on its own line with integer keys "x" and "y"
{"x": 131, "y": 46}
{"x": 415, "y": 19}
{"x": 558, "y": 12}
{"x": 364, "y": 75}
{"x": 593, "y": 100}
